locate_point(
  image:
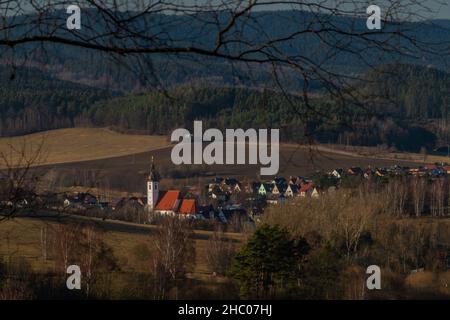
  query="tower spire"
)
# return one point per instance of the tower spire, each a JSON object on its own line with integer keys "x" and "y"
{"x": 154, "y": 175}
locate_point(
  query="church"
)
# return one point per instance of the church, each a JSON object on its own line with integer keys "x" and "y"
{"x": 167, "y": 202}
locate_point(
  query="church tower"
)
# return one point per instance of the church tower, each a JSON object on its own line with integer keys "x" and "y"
{"x": 152, "y": 187}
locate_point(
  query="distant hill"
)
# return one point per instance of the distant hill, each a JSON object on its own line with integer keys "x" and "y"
{"x": 414, "y": 97}
{"x": 99, "y": 69}
{"x": 31, "y": 100}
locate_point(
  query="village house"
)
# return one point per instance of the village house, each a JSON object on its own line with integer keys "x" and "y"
{"x": 291, "y": 191}
{"x": 354, "y": 171}
{"x": 265, "y": 189}
{"x": 338, "y": 173}
{"x": 309, "y": 190}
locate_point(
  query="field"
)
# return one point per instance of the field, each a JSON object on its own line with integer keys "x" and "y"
{"x": 128, "y": 173}
{"x": 79, "y": 144}
{"x": 101, "y": 158}
{"x": 21, "y": 237}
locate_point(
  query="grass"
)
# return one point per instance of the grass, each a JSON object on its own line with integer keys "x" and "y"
{"x": 21, "y": 237}
{"x": 80, "y": 144}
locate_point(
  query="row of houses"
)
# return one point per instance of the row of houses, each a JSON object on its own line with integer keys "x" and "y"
{"x": 425, "y": 170}
{"x": 175, "y": 202}
{"x": 223, "y": 188}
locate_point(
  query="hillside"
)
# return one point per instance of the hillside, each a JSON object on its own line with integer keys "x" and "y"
{"x": 32, "y": 100}
{"x": 403, "y": 106}
{"x": 95, "y": 68}
{"x": 79, "y": 144}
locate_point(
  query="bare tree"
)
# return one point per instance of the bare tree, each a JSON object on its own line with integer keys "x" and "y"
{"x": 437, "y": 197}
{"x": 66, "y": 245}
{"x": 20, "y": 178}
{"x": 418, "y": 193}
{"x": 97, "y": 259}
{"x": 397, "y": 194}
{"x": 220, "y": 253}
{"x": 174, "y": 254}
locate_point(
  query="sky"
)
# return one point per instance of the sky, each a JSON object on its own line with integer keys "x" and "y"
{"x": 440, "y": 8}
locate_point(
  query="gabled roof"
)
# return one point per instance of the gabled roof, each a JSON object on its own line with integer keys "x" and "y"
{"x": 168, "y": 200}
{"x": 188, "y": 206}
{"x": 306, "y": 187}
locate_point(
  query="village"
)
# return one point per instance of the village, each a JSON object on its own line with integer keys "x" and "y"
{"x": 224, "y": 199}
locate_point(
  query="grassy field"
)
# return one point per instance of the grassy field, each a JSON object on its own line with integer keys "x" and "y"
{"x": 79, "y": 144}
{"x": 21, "y": 237}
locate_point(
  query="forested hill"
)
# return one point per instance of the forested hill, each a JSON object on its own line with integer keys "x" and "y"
{"x": 414, "y": 92}
{"x": 102, "y": 70}
{"x": 31, "y": 100}
{"x": 414, "y": 97}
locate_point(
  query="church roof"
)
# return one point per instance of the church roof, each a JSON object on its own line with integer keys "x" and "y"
{"x": 168, "y": 200}
{"x": 188, "y": 206}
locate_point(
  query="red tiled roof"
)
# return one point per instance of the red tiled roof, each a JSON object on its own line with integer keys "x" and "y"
{"x": 168, "y": 201}
{"x": 306, "y": 187}
{"x": 188, "y": 206}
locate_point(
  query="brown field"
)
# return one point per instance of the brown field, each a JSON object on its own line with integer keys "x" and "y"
{"x": 103, "y": 159}
{"x": 128, "y": 173}
{"x": 79, "y": 144}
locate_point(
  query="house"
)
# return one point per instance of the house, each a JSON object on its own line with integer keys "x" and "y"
{"x": 130, "y": 203}
{"x": 354, "y": 171}
{"x": 231, "y": 185}
{"x": 291, "y": 191}
{"x": 446, "y": 169}
{"x": 265, "y": 189}
{"x": 338, "y": 173}
{"x": 168, "y": 203}
{"x": 278, "y": 189}
{"x": 309, "y": 190}
{"x": 188, "y": 208}
{"x": 218, "y": 193}
{"x": 369, "y": 172}
{"x": 381, "y": 172}
{"x": 80, "y": 200}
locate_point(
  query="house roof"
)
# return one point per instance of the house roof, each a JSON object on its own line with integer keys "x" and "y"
{"x": 188, "y": 206}
{"x": 306, "y": 187}
{"x": 168, "y": 200}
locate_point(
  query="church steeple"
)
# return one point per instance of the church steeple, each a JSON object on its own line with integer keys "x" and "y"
{"x": 152, "y": 187}
{"x": 154, "y": 175}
